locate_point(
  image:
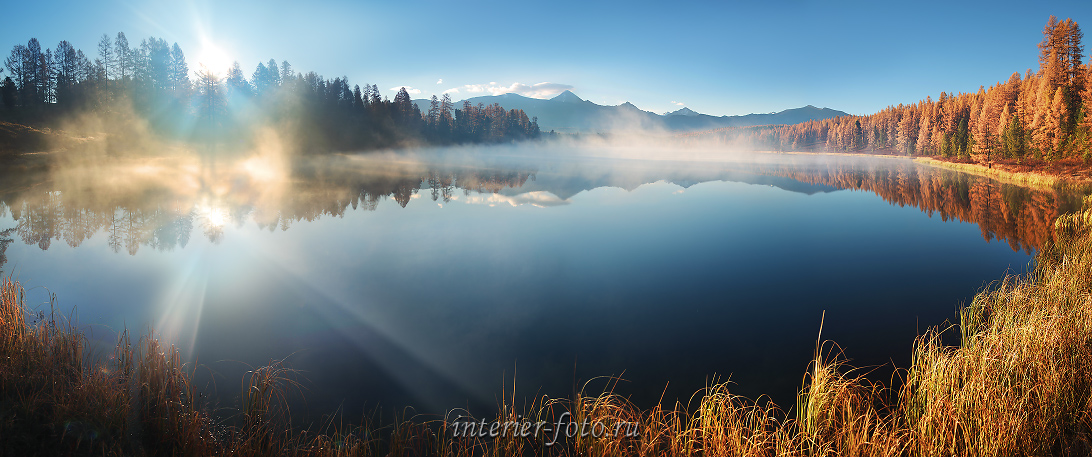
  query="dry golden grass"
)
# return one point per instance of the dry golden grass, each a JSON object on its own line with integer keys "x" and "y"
{"x": 1019, "y": 383}
{"x": 1027, "y": 179}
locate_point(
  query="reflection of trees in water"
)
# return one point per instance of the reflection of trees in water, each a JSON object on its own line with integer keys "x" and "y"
{"x": 164, "y": 221}
{"x": 4, "y": 242}
{"x": 1023, "y": 217}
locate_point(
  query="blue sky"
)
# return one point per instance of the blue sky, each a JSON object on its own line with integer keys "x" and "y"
{"x": 714, "y": 57}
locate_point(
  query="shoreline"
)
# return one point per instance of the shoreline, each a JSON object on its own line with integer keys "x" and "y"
{"x": 1032, "y": 178}
{"x": 1020, "y": 178}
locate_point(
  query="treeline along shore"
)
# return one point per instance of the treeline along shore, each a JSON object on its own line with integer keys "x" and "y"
{"x": 135, "y": 92}
{"x": 1040, "y": 120}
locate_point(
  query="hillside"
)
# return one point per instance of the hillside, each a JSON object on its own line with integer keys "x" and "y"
{"x": 568, "y": 113}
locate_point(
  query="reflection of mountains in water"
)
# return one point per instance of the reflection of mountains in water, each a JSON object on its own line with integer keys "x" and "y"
{"x": 160, "y": 209}
{"x": 566, "y": 185}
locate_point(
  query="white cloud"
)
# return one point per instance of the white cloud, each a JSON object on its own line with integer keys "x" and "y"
{"x": 540, "y": 90}
{"x": 541, "y": 199}
{"x": 409, "y": 90}
{"x": 453, "y": 90}
{"x": 673, "y": 102}
{"x": 440, "y": 81}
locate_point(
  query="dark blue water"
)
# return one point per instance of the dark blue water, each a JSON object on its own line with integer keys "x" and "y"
{"x": 434, "y": 281}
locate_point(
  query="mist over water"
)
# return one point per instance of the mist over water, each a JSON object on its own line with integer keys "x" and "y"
{"x": 433, "y": 277}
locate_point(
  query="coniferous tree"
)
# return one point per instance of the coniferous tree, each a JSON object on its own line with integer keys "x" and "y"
{"x": 237, "y": 86}
{"x": 446, "y": 108}
{"x": 434, "y": 112}
{"x": 106, "y": 56}
{"x": 47, "y": 86}
{"x": 403, "y": 106}
{"x": 261, "y": 79}
{"x": 179, "y": 72}
{"x": 32, "y": 68}
{"x": 16, "y": 68}
{"x": 286, "y": 72}
{"x": 124, "y": 57}
{"x": 274, "y": 75}
{"x": 908, "y": 133}
{"x": 210, "y": 98}
{"x": 8, "y": 92}
{"x": 376, "y": 100}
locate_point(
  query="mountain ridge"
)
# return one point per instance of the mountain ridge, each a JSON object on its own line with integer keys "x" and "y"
{"x": 568, "y": 113}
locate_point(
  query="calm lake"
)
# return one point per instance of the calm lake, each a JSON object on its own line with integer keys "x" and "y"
{"x": 435, "y": 278}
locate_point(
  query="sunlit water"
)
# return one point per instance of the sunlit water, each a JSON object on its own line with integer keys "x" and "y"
{"x": 435, "y": 280}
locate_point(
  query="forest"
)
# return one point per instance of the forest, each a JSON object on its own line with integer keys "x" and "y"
{"x": 125, "y": 90}
{"x": 1043, "y": 115}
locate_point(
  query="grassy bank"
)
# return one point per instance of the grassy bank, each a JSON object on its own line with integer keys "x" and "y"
{"x": 1019, "y": 383}
{"x": 1037, "y": 176}
{"x": 1029, "y": 179}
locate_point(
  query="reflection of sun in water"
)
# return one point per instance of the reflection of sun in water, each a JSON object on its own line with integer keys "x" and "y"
{"x": 214, "y": 217}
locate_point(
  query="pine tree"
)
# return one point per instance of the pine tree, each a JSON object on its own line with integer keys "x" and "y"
{"x": 433, "y": 112}
{"x": 124, "y": 57}
{"x": 446, "y": 107}
{"x": 1013, "y": 139}
{"x": 179, "y": 73}
{"x": 106, "y": 55}
{"x": 210, "y": 98}
{"x": 261, "y": 79}
{"x": 65, "y": 69}
{"x": 8, "y": 92}
{"x": 286, "y": 72}
{"x": 274, "y": 75}
{"x": 403, "y": 106}
{"x": 33, "y": 91}
{"x": 237, "y": 86}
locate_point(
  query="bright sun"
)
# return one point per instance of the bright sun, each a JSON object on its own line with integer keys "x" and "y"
{"x": 213, "y": 58}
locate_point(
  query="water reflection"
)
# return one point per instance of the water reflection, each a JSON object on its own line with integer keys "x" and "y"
{"x": 158, "y": 204}
{"x": 140, "y": 204}
{"x": 389, "y": 298}
{"x": 1019, "y": 215}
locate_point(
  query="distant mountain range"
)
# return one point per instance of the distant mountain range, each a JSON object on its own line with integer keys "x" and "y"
{"x": 568, "y": 113}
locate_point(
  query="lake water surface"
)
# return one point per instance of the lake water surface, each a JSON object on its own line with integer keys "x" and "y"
{"x": 433, "y": 279}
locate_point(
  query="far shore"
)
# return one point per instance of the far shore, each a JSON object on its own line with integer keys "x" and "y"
{"x": 1039, "y": 174}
